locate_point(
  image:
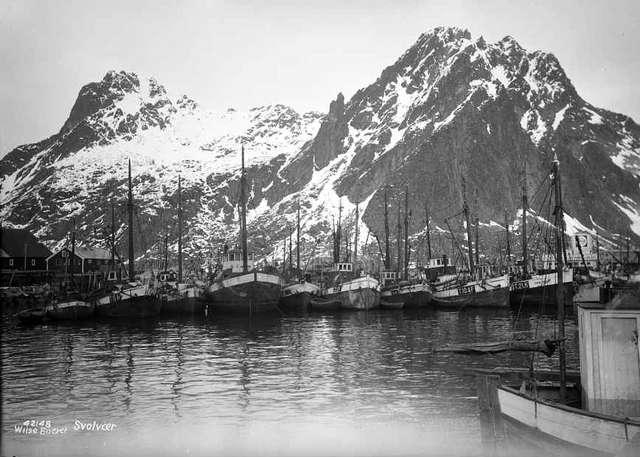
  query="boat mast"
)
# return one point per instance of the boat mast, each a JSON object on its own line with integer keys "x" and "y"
{"x": 477, "y": 241}
{"x": 465, "y": 211}
{"x": 243, "y": 215}
{"x": 559, "y": 272}
{"x": 130, "y": 228}
{"x": 597, "y": 250}
{"x": 113, "y": 238}
{"x": 508, "y": 241}
{"x": 179, "y": 229}
{"x": 355, "y": 243}
{"x": 290, "y": 250}
{"x": 166, "y": 252}
{"x": 73, "y": 249}
{"x": 298, "y": 238}
{"x": 525, "y": 208}
{"x": 387, "y": 258}
{"x": 426, "y": 220}
{"x": 338, "y": 232}
{"x": 406, "y": 234}
{"x": 399, "y": 242}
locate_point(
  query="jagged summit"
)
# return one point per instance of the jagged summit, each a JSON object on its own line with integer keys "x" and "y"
{"x": 452, "y": 106}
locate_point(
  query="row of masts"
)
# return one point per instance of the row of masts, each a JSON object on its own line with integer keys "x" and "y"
{"x": 130, "y": 232}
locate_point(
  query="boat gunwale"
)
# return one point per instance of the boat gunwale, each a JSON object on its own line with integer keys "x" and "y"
{"x": 571, "y": 409}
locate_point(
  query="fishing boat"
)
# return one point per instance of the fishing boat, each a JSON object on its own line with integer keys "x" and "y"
{"x": 353, "y": 292}
{"x": 455, "y": 291}
{"x": 395, "y": 290}
{"x": 176, "y": 296}
{"x": 126, "y": 299}
{"x": 297, "y": 296}
{"x": 537, "y": 287}
{"x": 596, "y": 413}
{"x": 240, "y": 287}
{"x": 475, "y": 287}
{"x": 320, "y": 304}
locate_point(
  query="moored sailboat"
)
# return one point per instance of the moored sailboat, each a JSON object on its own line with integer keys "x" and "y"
{"x": 396, "y": 292}
{"x": 239, "y": 287}
{"x": 535, "y": 288}
{"x": 595, "y": 413}
{"x": 459, "y": 290}
{"x": 132, "y": 298}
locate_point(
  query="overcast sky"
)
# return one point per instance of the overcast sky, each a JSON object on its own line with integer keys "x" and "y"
{"x": 246, "y": 53}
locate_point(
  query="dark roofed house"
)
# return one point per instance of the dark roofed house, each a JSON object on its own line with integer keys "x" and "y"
{"x": 85, "y": 260}
{"x": 20, "y": 250}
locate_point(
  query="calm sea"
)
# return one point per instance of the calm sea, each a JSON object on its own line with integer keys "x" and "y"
{"x": 343, "y": 384}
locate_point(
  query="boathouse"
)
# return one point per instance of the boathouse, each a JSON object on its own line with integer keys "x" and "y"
{"x": 20, "y": 250}
{"x": 84, "y": 260}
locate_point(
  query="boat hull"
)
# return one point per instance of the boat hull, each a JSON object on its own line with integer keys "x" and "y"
{"x": 360, "y": 294}
{"x": 492, "y": 298}
{"x": 541, "y": 289}
{"x": 323, "y": 304}
{"x": 569, "y": 429}
{"x": 412, "y": 296}
{"x": 246, "y": 294}
{"x": 391, "y": 304}
{"x": 71, "y": 311}
{"x": 296, "y": 302}
{"x": 134, "y": 302}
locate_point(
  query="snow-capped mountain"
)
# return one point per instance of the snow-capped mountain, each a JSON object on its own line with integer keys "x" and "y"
{"x": 451, "y": 109}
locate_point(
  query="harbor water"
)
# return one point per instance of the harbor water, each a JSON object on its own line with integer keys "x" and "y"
{"x": 349, "y": 383}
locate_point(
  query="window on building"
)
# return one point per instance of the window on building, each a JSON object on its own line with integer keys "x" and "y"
{"x": 33, "y": 262}
{"x": 10, "y": 262}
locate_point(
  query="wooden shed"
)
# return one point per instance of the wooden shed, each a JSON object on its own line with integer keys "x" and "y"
{"x": 610, "y": 356}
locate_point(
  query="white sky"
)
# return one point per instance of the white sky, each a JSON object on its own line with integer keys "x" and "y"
{"x": 246, "y": 53}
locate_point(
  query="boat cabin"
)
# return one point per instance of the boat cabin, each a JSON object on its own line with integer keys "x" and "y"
{"x": 388, "y": 277}
{"x": 342, "y": 267}
{"x": 438, "y": 266}
{"x": 609, "y": 356}
{"x": 232, "y": 260}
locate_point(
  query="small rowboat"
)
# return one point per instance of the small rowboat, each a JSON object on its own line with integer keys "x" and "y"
{"x": 324, "y": 304}
{"x": 391, "y": 305}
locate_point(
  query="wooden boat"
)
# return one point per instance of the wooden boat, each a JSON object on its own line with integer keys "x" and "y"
{"x": 320, "y": 304}
{"x": 297, "y": 296}
{"x": 354, "y": 291}
{"x": 32, "y": 316}
{"x": 595, "y": 414}
{"x": 177, "y": 298}
{"x": 70, "y": 310}
{"x": 361, "y": 293}
{"x": 239, "y": 287}
{"x": 540, "y": 289}
{"x": 489, "y": 292}
{"x": 391, "y": 304}
{"x": 416, "y": 294}
{"x": 247, "y": 293}
{"x": 126, "y": 299}
{"x": 129, "y": 300}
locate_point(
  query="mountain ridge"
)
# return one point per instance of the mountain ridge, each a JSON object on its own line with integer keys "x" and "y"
{"x": 450, "y": 107}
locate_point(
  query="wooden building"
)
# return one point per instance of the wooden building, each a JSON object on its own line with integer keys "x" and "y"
{"x": 85, "y": 260}
{"x": 20, "y": 250}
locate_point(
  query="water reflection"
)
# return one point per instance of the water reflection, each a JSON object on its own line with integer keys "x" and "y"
{"x": 250, "y": 384}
